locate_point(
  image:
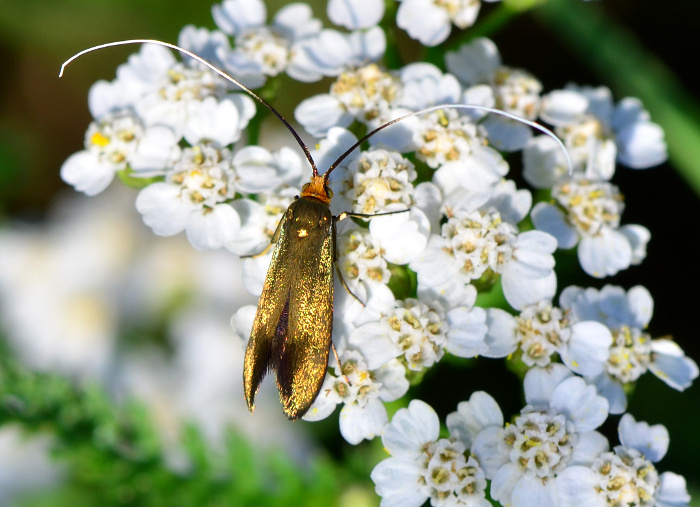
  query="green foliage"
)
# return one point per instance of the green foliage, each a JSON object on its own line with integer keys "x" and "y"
{"x": 115, "y": 455}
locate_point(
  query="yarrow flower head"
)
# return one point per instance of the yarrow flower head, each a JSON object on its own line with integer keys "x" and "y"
{"x": 488, "y": 82}
{"x": 627, "y": 474}
{"x": 633, "y": 351}
{"x": 541, "y": 330}
{"x": 588, "y": 213}
{"x": 423, "y": 466}
{"x": 554, "y": 431}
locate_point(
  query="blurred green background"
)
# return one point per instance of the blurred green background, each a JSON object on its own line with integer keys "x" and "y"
{"x": 636, "y": 47}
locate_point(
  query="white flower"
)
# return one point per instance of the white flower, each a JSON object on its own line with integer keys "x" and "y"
{"x": 479, "y": 244}
{"x": 489, "y": 83}
{"x": 117, "y": 143}
{"x": 193, "y": 199}
{"x": 633, "y": 351}
{"x": 260, "y": 50}
{"x": 420, "y": 334}
{"x": 363, "y": 94}
{"x": 431, "y": 22}
{"x": 444, "y": 136}
{"x": 541, "y": 331}
{"x": 554, "y": 431}
{"x": 423, "y": 466}
{"x": 590, "y": 211}
{"x": 426, "y": 85}
{"x": 354, "y": 14}
{"x": 596, "y": 132}
{"x": 329, "y": 53}
{"x": 626, "y": 476}
{"x": 363, "y": 415}
{"x": 378, "y": 178}
{"x": 218, "y": 122}
{"x": 360, "y": 258}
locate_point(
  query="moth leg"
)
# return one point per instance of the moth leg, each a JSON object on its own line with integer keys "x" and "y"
{"x": 346, "y": 214}
{"x": 345, "y": 285}
{"x": 335, "y": 258}
{"x": 340, "y": 365}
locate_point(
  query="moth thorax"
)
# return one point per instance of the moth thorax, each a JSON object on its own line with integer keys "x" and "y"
{"x": 317, "y": 189}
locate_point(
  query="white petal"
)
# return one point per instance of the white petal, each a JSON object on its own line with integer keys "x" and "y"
{"x": 605, "y": 254}
{"x": 234, "y": 16}
{"x": 424, "y": 21}
{"x": 372, "y": 339}
{"x": 641, "y": 145}
{"x": 212, "y": 228}
{"x": 156, "y": 150}
{"x": 671, "y": 365}
{"x": 652, "y": 441}
{"x": 503, "y": 482}
{"x": 410, "y": 429}
{"x": 86, "y": 173}
{"x": 589, "y": 445}
{"x": 467, "y": 332}
{"x": 539, "y": 383}
{"x": 563, "y": 107}
{"x": 242, "y": 322}
{"x": 473, "y": 416}
{"x": 297, "y": 21}
{"x": 163, "y": 210}
{"x": 354, "y": 14}
{"x": 358, "y": 424}
{"x": 641, "y": 306}
{"x": 392, "y": 376}
{"x": 475, "y": 62}
{"x": 398, "y": 483}
{"x": 489, "y": 450}
{"x": 254, "y": 271}
{"x": 403, "y": 236}
{"x": 673, "y": 491}
{"x": 611, "y": 391}
{"x": 549, "y": 218}
{"x": 588, "y": 348}
{"x": 576, "y": 487}
{"x": 521, "y": 291}
{"x": 501, "y": 337}
{"x": 532, "y": 490}
{"x": 638, "y": 236}
{"x": 506, "y": 134}
{"x": 429, "y": 199}
{"x": 323, "y": 405}
{"x": 544, "y": 162}
{"x": 211, "y": 120}
{"x": 321, "y": 112}
{"x": 581, "y": 403}
{"x": 432, "y": 266}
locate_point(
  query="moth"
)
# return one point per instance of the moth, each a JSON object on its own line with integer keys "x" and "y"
{"x": 292, "y": 331}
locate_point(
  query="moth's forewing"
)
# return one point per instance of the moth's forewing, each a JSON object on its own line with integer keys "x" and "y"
{"x": 293, "y": 325}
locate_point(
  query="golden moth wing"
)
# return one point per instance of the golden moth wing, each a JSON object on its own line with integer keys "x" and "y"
{"x": 303, "y": 363}
{"x": 260, "y": 352}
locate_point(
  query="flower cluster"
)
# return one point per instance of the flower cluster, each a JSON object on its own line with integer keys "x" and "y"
{"x": 177, "y": 131}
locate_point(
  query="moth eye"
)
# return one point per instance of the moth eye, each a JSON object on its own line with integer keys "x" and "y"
{"x": 302, "y": 233}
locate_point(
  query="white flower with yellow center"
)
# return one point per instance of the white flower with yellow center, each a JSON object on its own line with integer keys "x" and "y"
{"x": 589, "y": 212}
{"x": 627, "y": 475}
{"x": 423, "y": 466}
